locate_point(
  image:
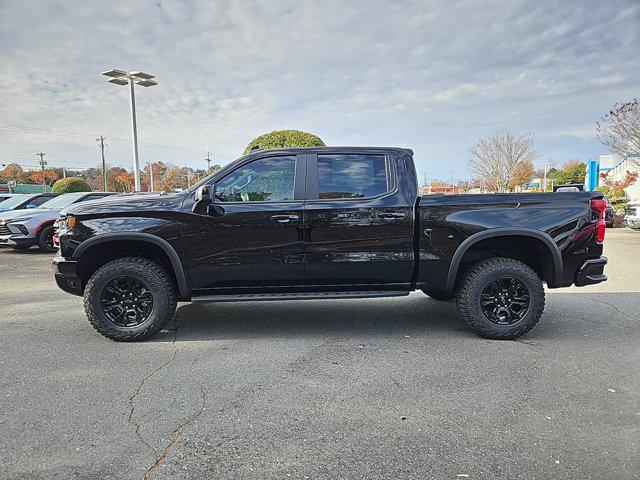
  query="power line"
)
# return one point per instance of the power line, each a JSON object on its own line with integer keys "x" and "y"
{"x": 78, "y": 134}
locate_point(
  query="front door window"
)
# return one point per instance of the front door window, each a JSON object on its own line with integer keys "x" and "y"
{"x": 265, "y": 180}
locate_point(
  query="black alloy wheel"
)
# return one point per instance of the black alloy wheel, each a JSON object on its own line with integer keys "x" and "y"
{"x": 126, "y": 302}
{"x": 505, "y": 301}
{"x": 500, "y": 298}
{"x": 45, "y": 239}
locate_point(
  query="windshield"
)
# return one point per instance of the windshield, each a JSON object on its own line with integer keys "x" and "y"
{"x": 14, "y": 201}
{"x": 58, "y": 203}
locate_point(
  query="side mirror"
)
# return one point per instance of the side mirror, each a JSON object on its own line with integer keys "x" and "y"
{"x": 215, "y": 210}
{"x": 202, "y": 199}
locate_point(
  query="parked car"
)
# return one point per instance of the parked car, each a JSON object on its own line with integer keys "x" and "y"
{"x": 25, "y": 200}
{"x": 319, "y": 223}
{"x": 4, "y": 196}
{"x": 608, "y": 213}
{"x": 21, "y": 229}
{"x": 632, "y": 218}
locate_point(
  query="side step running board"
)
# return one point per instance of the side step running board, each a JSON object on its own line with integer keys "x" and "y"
{"x": 260, "y": 297}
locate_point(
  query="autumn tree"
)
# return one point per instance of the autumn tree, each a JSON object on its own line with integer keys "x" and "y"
{"x": 93, "y": 176}
{"x": 620, "y": 129}
{"x": 11, "y": 172}
{"x": 573, "y": 171}
{"x": 496, "y": 159}
{"x": 522, "y": 174}
{"x": 47, "y": 176}
{"x": 119, "y": 180}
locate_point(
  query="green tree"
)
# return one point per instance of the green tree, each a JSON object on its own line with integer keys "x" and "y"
{"x": 572, "y": 171}
{"x": 285, "y": 139}
{"x": 71, "y": 184}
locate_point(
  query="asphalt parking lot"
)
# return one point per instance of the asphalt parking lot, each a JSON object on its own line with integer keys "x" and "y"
{"x": 383, "y": 388}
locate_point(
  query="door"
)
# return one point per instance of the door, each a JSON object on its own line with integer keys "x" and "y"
{"x": 254, "y": 239}
{"x": 359, "y": 224}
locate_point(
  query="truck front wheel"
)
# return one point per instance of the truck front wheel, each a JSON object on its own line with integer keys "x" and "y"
{"x": 130, "y": 299}
{"x": 500, "y": 298}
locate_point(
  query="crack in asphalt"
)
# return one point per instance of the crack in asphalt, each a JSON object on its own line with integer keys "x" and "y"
{"x": 132, "y": 398}
{"x": 628, "y": 315}
{"x": 176, "y": 435}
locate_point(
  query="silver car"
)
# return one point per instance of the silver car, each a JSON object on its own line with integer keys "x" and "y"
{"x": 21, "y": 229}
{"x": 632, "y": 218}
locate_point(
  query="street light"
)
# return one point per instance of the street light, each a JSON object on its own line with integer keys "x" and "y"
{"x": 120, "y": 77}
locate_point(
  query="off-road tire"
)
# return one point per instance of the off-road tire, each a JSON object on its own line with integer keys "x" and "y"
{"x": 42, "y": 239}
{"x": 153, "y": 275}
{"x": 476, "y": 280}
{"x": 440, "y": 296}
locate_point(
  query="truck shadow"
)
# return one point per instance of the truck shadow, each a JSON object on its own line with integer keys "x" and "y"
{"x": 414, "y": 316}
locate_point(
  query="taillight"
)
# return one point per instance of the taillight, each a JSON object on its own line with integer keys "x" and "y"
{"x": 599, "y": 205}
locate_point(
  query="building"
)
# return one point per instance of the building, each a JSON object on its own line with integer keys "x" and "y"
{"x": 618, "y": 172}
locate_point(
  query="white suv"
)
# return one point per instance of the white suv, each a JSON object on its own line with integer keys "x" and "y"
{"x": 632, "y": 218}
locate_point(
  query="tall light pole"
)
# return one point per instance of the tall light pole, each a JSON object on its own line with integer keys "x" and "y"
{"x": 544, "y": 183}
{"x": 120, "y": 77}
{"x": 151, "y": 176}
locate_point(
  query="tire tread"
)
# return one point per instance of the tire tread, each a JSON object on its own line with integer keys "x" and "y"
{"x": 147, "y": 266}
{"x": 464, "y": 297}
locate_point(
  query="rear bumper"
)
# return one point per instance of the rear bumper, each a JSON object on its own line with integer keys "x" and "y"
{"x": 66, "y": 275}
{"x": 591, "y": 272}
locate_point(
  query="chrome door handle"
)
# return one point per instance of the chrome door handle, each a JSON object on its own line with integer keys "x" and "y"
{"x": 391, "y": 215}
{"x": 284, "y": 218}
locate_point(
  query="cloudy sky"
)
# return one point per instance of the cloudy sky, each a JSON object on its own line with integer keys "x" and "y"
{"x": 430, "y": 75}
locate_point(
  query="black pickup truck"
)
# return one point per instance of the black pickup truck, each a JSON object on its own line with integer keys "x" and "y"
{"x": 326, "y": 223}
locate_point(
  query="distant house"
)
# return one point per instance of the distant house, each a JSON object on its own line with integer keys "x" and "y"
{"x": 436, "y": 187}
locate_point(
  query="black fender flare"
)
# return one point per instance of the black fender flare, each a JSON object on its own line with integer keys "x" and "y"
{"x": 502, "y": 232}
{"x": 178, "y": 269}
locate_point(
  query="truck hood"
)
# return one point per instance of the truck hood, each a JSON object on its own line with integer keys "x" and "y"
{"x": 43, "y": 213}
{"x": 127, "y": 203}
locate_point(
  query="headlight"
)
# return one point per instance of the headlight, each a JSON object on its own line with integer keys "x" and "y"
{"x": 64, "y": 224}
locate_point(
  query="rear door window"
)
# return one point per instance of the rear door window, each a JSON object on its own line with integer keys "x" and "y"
{"x": 352, "y": 176}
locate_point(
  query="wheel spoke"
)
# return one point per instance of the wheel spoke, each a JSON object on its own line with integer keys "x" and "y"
{"x": 126, "y": 302}
{"x": 505, "y": 300}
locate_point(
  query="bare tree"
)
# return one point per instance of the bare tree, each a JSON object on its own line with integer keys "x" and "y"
{"x": 620, "y": 128}
{"x": 498, "y": 159}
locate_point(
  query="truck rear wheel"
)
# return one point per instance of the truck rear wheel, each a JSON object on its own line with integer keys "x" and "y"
{"x": 130, "y": 299}
{"x": 500, "y": 298}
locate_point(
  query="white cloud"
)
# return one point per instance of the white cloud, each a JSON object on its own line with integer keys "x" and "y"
{"x": 433, "y": 76}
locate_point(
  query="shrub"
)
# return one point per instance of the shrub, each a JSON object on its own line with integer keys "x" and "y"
{"x": 285, "y": 139}
{"x": 70, "y": 185}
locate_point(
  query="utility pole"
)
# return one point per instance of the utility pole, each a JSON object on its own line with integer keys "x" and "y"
{"x": 64, "y": 172}
{"x": 208, "y": 160}
{"x": 104, "y": 165}
{"x": 42, "y": 164}
{"x": 451, "y": 180}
